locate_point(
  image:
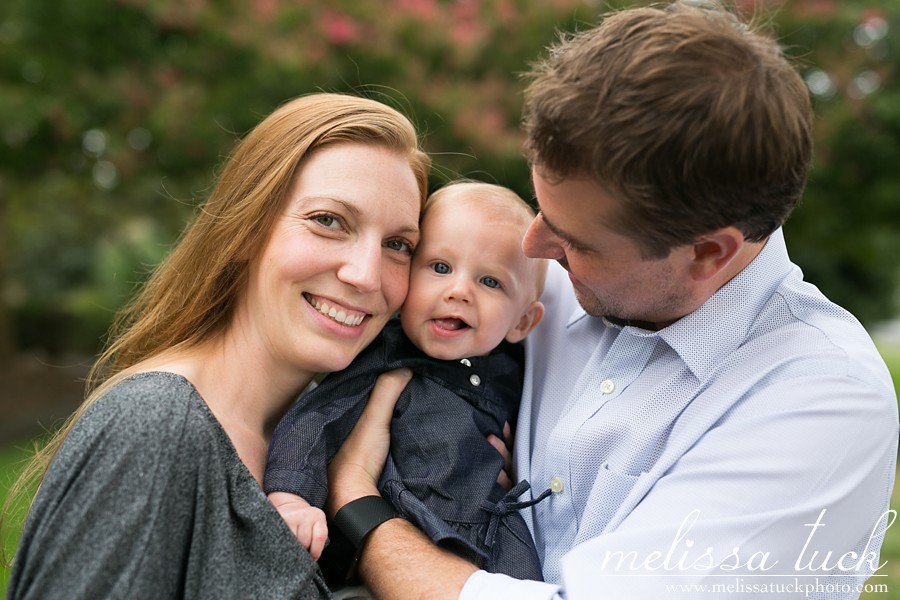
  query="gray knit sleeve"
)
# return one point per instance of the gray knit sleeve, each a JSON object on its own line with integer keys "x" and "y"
{"x": 148, "y": 499}
{"x": 119, "y": 480}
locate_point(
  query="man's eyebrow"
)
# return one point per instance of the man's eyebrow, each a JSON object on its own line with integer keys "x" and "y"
{"x": 557, "y": 231}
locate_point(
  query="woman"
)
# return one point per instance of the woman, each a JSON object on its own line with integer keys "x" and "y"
{"x": 293, "y": 265}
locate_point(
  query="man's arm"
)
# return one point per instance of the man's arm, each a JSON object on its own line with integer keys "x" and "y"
{"x": 397, "y": 560}
{"x": 791, "y": 486}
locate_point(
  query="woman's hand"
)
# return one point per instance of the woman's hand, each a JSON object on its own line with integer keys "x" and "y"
{"x": 356, "y": 468}
{"x": 305, "y": 521}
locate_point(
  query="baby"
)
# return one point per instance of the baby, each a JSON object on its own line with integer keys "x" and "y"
{"x": 473, "y": 296}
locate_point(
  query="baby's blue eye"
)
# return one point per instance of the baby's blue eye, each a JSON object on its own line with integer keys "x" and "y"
{"x": 490, "y": 282}
{"x": 440, "y": 268}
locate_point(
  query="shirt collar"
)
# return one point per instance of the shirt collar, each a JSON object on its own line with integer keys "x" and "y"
{"x": 713, "y": 331}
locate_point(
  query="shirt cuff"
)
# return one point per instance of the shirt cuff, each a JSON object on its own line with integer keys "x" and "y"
{"x": 482, "y": 585}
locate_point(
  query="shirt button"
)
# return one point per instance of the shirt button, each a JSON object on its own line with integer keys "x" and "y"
{"x": 608, "y": 386}
{"x": 466, "y": 362}
{"x": 475, "y": 380}
{"x": 556, "y": 485}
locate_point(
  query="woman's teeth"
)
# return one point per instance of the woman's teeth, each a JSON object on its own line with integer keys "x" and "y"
{"x": 339, "y": 315}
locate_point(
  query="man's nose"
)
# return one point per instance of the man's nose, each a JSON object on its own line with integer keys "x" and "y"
{"x": 540, "y": 242}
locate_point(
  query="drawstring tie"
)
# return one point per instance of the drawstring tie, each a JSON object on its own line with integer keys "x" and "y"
{"x": 507, "y": 505}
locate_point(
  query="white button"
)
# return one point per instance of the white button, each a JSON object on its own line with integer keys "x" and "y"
{"x": 475, "y": 380}
{"x": 556, "y": 485}
{"x": 466, "y": 362}
{"x": 607, "y": 387}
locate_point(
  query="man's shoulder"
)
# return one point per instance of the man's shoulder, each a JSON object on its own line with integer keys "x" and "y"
{"x": 800, "y": 335}
{"x": 798, "y": 312}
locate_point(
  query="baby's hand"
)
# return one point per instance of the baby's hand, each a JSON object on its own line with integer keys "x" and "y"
{"x": 305, "y": 521}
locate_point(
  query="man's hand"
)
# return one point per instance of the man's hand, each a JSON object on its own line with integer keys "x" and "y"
{"x": 305, "y": 521}
{"x": 356, "y": 468}
{"x": 503, "y": 447}
{"x": 397, "y": 560}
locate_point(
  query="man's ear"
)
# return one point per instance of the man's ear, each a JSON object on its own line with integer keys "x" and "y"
{"x": 528, "y": 321}
{"x": 714, "y": 251}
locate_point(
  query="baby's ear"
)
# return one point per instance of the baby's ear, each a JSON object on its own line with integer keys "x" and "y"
{"x": 528, "y": 321}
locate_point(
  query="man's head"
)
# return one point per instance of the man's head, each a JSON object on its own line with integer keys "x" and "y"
{"x": 471, "y": 286}
{"x": 685, "y": 116}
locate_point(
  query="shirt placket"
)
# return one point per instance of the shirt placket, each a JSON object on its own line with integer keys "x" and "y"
{"x": 605, "y": 378}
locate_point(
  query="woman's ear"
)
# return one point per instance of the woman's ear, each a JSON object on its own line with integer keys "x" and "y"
{"x": 528, "y": 321}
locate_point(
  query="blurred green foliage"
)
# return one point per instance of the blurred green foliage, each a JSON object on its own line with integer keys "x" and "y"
{"x": 115, "y": 114}
{"x": 845, "y": 234}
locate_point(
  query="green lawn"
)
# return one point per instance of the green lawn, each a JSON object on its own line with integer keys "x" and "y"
{"x": 890, "y": 549}
{"x": 11, "y": 459}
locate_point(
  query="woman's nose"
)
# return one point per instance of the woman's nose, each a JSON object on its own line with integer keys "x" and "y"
{"x": 362, "y": 267}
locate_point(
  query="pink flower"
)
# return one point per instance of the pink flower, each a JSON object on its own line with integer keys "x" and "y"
{"x": 339, "y": 28}
{"x": 423, "y": 9}
{"x": 815, "y": 8}
{"x": 265, "y": 8}
{"x": 465, "y": 10}
{"x": 465, "y": 33}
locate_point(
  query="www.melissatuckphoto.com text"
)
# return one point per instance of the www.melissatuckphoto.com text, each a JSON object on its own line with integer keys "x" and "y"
{"x": 802, "y": 587}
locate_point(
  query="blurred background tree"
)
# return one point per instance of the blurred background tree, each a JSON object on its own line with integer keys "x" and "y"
{"x": 115, "y": 114}
{"x": 846, "y": 233}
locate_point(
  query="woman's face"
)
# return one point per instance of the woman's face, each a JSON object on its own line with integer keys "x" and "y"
{"x": 336, "y": 264}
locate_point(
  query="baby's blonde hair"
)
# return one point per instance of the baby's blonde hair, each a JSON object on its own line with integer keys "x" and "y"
{"x": 497, "y": 196}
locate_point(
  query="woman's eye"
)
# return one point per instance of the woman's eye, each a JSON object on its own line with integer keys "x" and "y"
{"x": 399, "y": 246}
{"x": 440, "y": 268}
{"x": 327, "y": 221}
{"x": 490, "y": 282}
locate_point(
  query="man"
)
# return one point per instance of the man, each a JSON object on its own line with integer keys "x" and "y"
{"x": 706, "y": 422}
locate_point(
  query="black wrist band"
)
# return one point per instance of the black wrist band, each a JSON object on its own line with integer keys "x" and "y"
{"x": 358, "y": 518}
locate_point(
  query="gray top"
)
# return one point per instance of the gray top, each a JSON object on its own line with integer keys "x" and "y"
{"x": 147, "y": 498}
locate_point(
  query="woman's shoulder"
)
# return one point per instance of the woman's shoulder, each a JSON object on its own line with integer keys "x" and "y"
{"x": 145, "y": 409}
{"x": 150, "y": 394}
{"x": 149, "y": 384}
{"x": 147, "y": 431}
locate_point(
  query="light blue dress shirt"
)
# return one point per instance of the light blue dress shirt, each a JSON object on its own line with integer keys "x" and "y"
{"x": 748, "y": 448}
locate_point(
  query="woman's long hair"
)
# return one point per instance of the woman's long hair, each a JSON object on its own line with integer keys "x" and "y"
{"x": 190, "y": 297}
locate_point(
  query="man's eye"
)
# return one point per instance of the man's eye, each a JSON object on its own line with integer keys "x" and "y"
{"x": 490, "y": 282}
{"x": 440, "y": 268}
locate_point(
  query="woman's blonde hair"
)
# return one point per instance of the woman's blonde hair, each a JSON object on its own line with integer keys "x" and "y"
{"x": 189, "y": 298}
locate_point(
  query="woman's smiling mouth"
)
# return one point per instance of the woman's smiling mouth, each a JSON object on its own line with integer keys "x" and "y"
{"x": 344, "y": 316}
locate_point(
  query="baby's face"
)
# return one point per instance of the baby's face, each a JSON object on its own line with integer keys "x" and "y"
{"x": 469, "y": 282}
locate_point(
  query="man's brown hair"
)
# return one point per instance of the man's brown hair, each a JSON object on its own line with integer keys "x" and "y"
{"x": 693, "y": 121}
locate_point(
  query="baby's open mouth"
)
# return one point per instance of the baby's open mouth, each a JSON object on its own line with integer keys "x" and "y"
{"x": 451, "y": 324}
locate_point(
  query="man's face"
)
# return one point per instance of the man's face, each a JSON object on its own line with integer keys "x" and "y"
{"x": 610, "y": 276}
